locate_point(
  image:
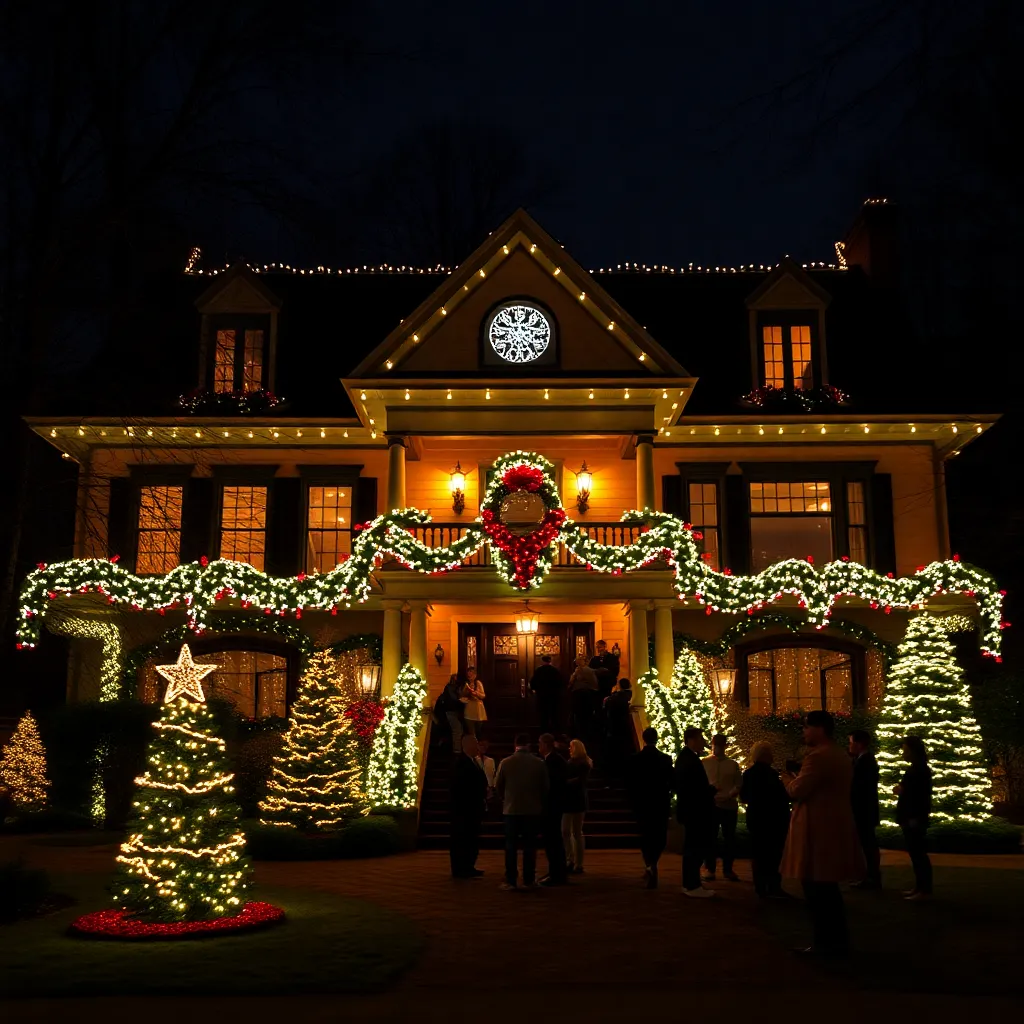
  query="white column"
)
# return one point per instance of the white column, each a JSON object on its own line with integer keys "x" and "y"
{"x": 418, "y": 636}
{"x": 645, "y": 471}
{"x": 664, "y": 649}
{"x": 396, "y": 472}
{"x": 639, "y": 658}
{"x": 392, "y": 654}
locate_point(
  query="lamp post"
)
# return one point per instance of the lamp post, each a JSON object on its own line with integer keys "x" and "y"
{"x": 725, "y": 679}
{"x": 584, "y": 483}
{"x": 368, "y": 678}
{"x": 526, "y": 620}
{"x": 458, "y": 486}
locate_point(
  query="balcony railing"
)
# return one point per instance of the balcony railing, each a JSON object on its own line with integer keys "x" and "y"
{"x": 440, "y": 535}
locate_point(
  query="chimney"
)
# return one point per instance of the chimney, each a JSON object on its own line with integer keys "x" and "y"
{"x": 873, "y": 242}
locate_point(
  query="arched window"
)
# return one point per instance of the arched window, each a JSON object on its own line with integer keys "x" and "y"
{"x": 256, "y": 674}
{"x": 800, "y": 673}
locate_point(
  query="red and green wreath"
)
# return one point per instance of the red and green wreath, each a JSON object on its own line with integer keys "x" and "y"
{"x": 522, "y": 516}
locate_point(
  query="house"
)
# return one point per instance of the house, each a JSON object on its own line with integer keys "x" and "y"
{"x": 751, "y": 403}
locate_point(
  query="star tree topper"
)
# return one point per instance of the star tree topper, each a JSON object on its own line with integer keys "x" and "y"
{"x": 183, "y": 677}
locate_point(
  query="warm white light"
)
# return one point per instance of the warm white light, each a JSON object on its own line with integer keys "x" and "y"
{"x": 583, "y": 295}
{"x": 591, "y": 395}
{"x": 643, "y": 356}
{"x": 977, "y": 430}
{"x": 527, "y": 620}
{"x": 717, "y": 431}
{"x": 780, "y": 430}
{"x": 760, "y": 430}
{"x": 388, "y": 363}
{"x": 449, "y": 395}
{"x": 823, "y": 430}
{"x": 362, "y": 395}
{"x": 867, "y": 430}
{"x": 546, "y": 395}
{"x": 626, "y": 393}
{"x": 323, "y": 433}
{"x": 407, "y": 395}
{"x": 725, "y": 678}
{"x": 955, "y": 430}
{"x": 487, "y": 394}
{"x": 53, "y": 432}
{"x": 558, "y": 270}
{"x": 913, "y": 429}
{"x": 611, "y": 325}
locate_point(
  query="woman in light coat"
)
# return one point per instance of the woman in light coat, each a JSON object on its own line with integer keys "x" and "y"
{"x": 475, "y": 713}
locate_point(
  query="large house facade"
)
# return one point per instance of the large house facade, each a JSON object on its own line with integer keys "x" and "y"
{"x": 815, "y": 523}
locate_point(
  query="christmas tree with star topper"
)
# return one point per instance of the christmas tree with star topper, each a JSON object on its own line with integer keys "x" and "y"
{"x": 184, "y": 858}
{"x": 315, "y": 782}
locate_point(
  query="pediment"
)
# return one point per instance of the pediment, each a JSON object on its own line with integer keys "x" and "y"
{"x": 788, "y": 286}
{"x": 238, "y": 290}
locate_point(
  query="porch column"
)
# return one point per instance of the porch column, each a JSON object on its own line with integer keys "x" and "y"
{"x": 639, "y": 658}
{"x": 418, "y": 636}
{"x": 392, "y": 654}
{"x": 664, "y": 648}
{"x": 645, "y": 471}
{"x": 396, "y": 471}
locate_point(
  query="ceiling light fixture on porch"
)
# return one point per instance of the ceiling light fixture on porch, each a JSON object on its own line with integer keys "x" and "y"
{"x": 725, "y": 679}
{"x": 527, "y": 619}
{"x": 584, "y": 482}
{"x": 458, "y": 486}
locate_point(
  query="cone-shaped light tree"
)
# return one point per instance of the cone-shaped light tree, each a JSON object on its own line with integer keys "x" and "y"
{"x": 926, "y": 695}
{"x": 686, "y": 701}
{"x": 315, "y": 782}
{"x": 392, "y": 776}
{"x": 23, "y": 767}
{"x": 183, "y": 858}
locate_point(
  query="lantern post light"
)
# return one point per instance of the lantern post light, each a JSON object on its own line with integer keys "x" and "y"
{"x": 584, "y": 483}
{"x": 726, "y": 679}
{"x": 526, "y": 620}
{"x": 368, "y": 676}
{"x": 458, "y": 486}
{"x": 439, "y": 654}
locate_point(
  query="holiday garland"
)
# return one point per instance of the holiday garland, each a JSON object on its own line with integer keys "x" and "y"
{"x": 523, "y": 561}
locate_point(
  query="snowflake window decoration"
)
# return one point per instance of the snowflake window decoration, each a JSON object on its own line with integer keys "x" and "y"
{"x": 518, "y": 333}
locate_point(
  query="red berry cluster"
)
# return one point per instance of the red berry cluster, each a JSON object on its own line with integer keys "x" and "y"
{"x": 365, "y": 714}
{"x": 120, "y": 924}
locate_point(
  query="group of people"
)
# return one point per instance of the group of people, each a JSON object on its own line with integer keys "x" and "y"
{"x": 462, "y": 707}
{"x": 815, "y": 823}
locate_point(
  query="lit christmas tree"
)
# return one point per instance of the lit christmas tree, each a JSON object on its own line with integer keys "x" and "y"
{"x": 392, "y": 777}
{"x": 685, "y": 702}
{"x": 23, "y": 767}
{"x": 926, "y": 695}
{"x": 315, "y": 782}
{"x": 183, "y": 859}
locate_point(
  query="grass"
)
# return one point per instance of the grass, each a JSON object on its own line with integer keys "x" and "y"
{"x": 964, "y": 941}
{"x": 328, "y": 944}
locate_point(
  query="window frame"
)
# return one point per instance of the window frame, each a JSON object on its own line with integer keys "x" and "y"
{"x": 241, "y": 476}
{"x": 788, "y": 319}
{"x": 707, "y": 473}
{"x": 156, "y": 476}
{"x": 783, "y": 641}
{"x": 323, "y": 476}
{"x": 239, "y": 323}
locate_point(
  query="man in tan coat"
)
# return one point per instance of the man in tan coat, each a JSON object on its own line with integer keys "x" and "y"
{"x": 822, "y": 848}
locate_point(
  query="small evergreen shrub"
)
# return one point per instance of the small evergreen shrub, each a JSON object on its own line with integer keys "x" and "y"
{"x": 23, "y": 892}
{"x": 993, "y": 835}
{"x": 373, "y": 836}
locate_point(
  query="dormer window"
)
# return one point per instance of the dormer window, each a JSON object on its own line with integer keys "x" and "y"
{"x": 239, "y": 353}
{"x": 787, "y": 352}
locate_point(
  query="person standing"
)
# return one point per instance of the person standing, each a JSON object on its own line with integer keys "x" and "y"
{"x": 486, "y": 764}
{"x": 522, "y": 784}
{"x": 454, "y": 707}
{"x": 864, "y": 800}
{"x": 618, "y": 726}
{"x": 575, "y": 808}
{"x": 767, "y": 803}
{"x": 473, "y": 692}
{"x": 822, "y": 848}
{"x": 725, "y": 775}
{"x": 913, "y": 810}
{"x": 584, "y": 697}
{"x": 649, "y": 783}
{"x": 546, "y": 683}
{"x": 695, "y": 810}
{"x": 554, "y": 808}
{"x": 468, "y": 799}
{"x": 606, "y": 666}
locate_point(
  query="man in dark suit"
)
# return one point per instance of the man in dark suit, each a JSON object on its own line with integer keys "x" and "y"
{"x": 606, "y": 666}
{"x": 695, "y": 810}
{"x": 864, "y": 798}
{"x": 649, "y": 784}
{"x": 548, "y": 685}
{"x": 554, "y": 808}
{"x": 522, "y": 784}
{"x": 468, "y": 800}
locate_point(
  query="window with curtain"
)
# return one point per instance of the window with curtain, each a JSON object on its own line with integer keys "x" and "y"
{"x": 799, "y": 679}
{"x": 159, "y": 529}
{"x": 243, "y": 524}
{"x": 703, "y": 503}
{"x": 790, "y": 519}
{"x": 328, "y": 526}
{"x": 239, "y": 353}
{"x": 788, "y": 356}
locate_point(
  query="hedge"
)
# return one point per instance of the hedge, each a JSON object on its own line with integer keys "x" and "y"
{"x": 992, "y": 836}
{"x": 373, "y": 836}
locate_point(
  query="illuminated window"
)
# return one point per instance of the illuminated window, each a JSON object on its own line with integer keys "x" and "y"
{"x": 801, "y": 370}
{"x": 857, "y": 524}
{"x": 774, "y": 361}
{"x": 329, "y": 527}
{"x": 799, "y": 679}
{"x": 704, "y": 518}
{"x": 224, "y": 362}
{"x": 252, "y": 363}
{"x": 790, "y": 520}
{"x": 243, "y": 524}
{"x": 159, "y": 547}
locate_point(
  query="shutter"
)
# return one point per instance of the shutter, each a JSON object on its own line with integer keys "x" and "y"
{"x": 284, "y": 526}
{"x": 364, "y": 507}
{"x": 672, "y": 495}
{"x": 120, "y": 520}
{"x": 737, "y": 524}
{"x": 883, "y": 534}
{"x": 197, "y": 519}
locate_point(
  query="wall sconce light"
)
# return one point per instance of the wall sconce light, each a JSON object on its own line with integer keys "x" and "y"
{"x": 527, "y": 619}
{"x": 584, "y": 482}
{"x": 726, "y": 679}
{"x": 368, "y": 676}
{"x": 439, "y": 654}
{"x": 616, "y": 650}
{"x": 458, "y": 485}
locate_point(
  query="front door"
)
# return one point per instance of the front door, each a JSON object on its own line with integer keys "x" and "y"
{"x": 505, "y": 661}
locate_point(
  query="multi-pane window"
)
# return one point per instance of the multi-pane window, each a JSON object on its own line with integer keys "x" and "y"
{"x": 790, "y": 519}
{"x": 799, "y": 679}
{"x": 238, "y": 359}
{"x": 787, "y": 355}
{"x": 704, "y": 518}
{"x": 224, "y": 362}
{"x": 243, "y": 524}
{"x": 329, "y": 527}
{"x": 159, "y": 546}
{"x": 856, "y": 521}
{"x": 252, "y": 361}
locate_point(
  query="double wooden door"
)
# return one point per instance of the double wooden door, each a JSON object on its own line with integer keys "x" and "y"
{"x": 505, "y": 660}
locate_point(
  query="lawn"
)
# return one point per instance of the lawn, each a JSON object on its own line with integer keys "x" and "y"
{"x": 966, "y": 940}
{"x": 328, "y": 944}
